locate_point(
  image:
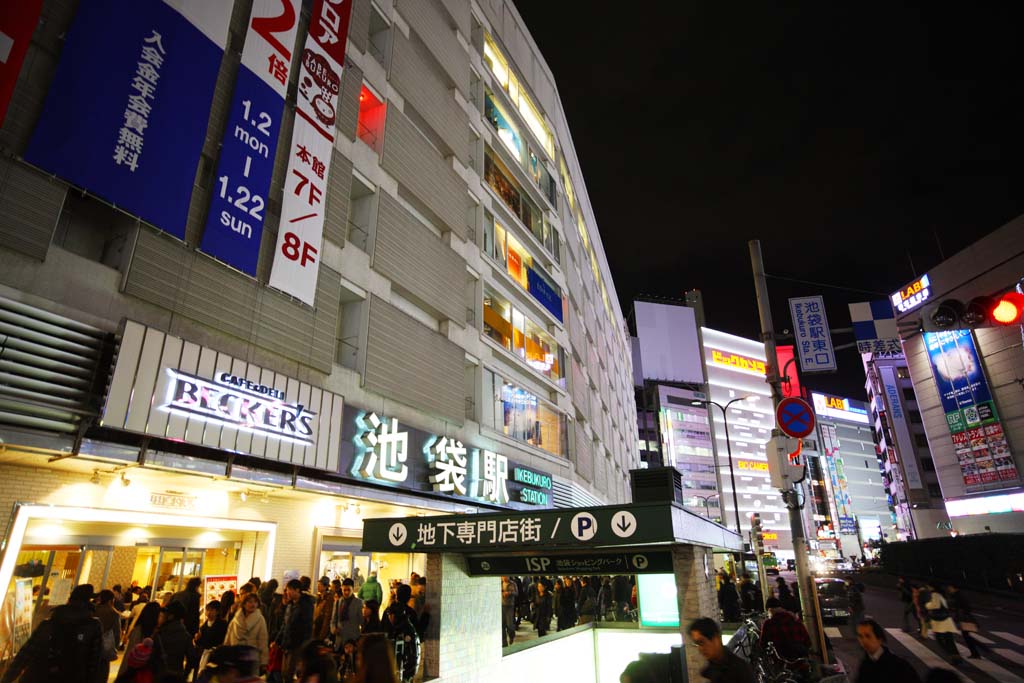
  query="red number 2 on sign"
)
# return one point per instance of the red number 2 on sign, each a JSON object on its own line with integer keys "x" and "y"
{"x": 268, "y": 26}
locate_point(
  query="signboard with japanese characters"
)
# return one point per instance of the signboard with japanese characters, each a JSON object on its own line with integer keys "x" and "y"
{"x": 380, "y": 449}
{"x": 639, "y": 562}
{"x": 128, "y": 108}
{"x": 297, "y": 256}
{"x": 616, "y": 525}
{"x": 234, "y": 223}
{"x": 813, "y": 337}
{"x": 170, "y": 388}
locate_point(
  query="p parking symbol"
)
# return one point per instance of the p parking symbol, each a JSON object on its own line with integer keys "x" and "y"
{"x": 583, "y": 526}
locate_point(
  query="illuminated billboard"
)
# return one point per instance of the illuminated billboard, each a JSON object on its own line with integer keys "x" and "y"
{"x": 912, "y": 295}
{"x": 839, "y": 408}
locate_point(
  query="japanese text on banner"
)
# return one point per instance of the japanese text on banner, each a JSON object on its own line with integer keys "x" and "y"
{"x": 297, "y": 255}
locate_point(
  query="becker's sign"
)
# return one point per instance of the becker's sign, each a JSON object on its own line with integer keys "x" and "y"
{"x": 170, "y": 388}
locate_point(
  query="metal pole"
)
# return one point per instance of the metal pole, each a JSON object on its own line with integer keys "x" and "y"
{"x": 732, "y": 473}
{"x": 808, "y": 591}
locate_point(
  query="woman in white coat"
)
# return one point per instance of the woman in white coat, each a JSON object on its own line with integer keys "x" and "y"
{"x": 941, "y": 622}
{"x": 250, "y": 628}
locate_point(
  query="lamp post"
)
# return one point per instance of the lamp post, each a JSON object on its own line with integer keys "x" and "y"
{"x": 728, "y": 448}
{"x": 705, "y": 499}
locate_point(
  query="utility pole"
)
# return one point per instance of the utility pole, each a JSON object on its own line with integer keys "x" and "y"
{"x": 808, "y": 591}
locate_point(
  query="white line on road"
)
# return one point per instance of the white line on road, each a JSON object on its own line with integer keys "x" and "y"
{"x": 929, "y": 658}
{"x": 1012, "y": 655}
{"x": 1016, "y": 640}
{"x": 982, "y": 639}
{"x": 833, "y": 632}
{"x": 991, "y": 668}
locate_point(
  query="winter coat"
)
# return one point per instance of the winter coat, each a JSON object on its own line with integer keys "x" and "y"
{"x": 729, "y": 601}
{"x": 191, "y": 600}
{"x": 346, "y": 620}
{"x": 173, "y": 645}
{"x": 298, "y": 623}
{"x": 65, "y": 647}
{"x": 888, "y": 669}
{"x": 212, "y": 635}
{"x": 588, "y": 601}
{"x": 323, "y": 613}
{"x": 544, "y": 611}
{"x": 946, "y": 625}
{"x": 731, "y": 669}
{"x": 371, "y": 590}
{"x": 407, "y": 644}
{"x": 250, "y": 630}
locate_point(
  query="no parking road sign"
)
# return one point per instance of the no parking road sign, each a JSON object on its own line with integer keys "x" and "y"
{"x": 795, "y": 417}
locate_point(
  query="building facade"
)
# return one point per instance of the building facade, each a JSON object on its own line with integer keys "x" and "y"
{"x": 445, "y": 337}
{"x": 966, "y": 375}
{"x": 898, "y": 428}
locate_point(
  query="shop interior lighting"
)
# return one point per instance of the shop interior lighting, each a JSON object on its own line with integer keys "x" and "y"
{"x": 95, "y": 479}
{"x": 243, "y": 495}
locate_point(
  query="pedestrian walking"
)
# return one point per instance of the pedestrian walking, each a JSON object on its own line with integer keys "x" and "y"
{"x": 249, "y": 628}
{"x": 542, "y": 610}
{"x": 347, "y": 618}
{"x": 964, "y": 618}
{"x": 941, "y": 623}
{"x": 855, "y": 595}
{"x": 509, "y": 593}
{"x": 173, "y": 641}
{"x": 879, "y": 664}
{"x": 375, "y": 660}
{"x": 906, "y": 590}
{"x": 296, "y": 629}
{"x": 724, "y": 666}
{"x": 728, "y": 600}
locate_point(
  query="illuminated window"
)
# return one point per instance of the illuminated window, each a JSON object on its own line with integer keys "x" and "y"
{"x": 516, "y": 332}
{"x": 521, "y": 415}
{"x": 499, "y": 178}
{"x": 371, "y": 119}
{"x": 540, "y": 175}
{"x": 570, "y": 194}
{"x": 498, "y": 65}
{"x": 508, "y": 133}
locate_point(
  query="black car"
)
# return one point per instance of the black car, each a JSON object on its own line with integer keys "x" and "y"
{"x": 834, "y": 599}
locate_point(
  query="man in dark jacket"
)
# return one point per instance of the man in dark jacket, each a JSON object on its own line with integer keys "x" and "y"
{"x": 67, "y": 646}
{"x": 406, "y": 641}
{"x": 173, "y": 643}
{"x": 191, "y": 599}
{"x": 907, "y": 598}
{"x": 879, "y": 665}
{"x": 723, "y": 665}
{"x": 297, "y": 627}
{"x": 587, "y": 601}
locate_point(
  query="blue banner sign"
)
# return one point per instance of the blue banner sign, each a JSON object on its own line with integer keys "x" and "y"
{"x": 544, "y": 293}
{"x": 234, "y": 223}
{"x": 127, "y": 112}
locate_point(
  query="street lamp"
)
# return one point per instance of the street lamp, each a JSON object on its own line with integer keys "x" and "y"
{"x": 728, "y": 448}
{"x": 705, "y": 499}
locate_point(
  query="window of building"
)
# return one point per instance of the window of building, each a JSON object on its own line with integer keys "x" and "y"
{"x": 521, "y": 415}
{"x": 570, "y": 194}
{"x": 934, "y": 491}
{"x": 903, "y": 372}
{"x": 507, "y": 131}
{"x": 519, "y": 263}
{"x": 498, "y": 65}
{"x": 921, "y": 440}
{"x": 512, "y": 329}
{"x": 380, "y": 36}
{"x": 371, "y": 119}
{"x": 908, "y": 394}
{"x": 914, "y": 416}
{"x": 542, "y": 177}
{"x": 499, "y": 178}
{"x": 927, "y": 464}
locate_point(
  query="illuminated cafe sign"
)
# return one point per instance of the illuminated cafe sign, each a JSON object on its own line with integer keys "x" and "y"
{"x": 379, "y": 449}
{"x": 912, "y": 295}
{"x": 170, "y": 388}
{"x": 739, "y": 362}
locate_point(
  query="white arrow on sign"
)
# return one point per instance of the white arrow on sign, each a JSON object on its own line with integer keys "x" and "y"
{"x": 397, "y": 533}
{"x": 624, "y": 524}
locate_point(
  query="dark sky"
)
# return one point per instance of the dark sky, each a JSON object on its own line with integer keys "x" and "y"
{"x": 855, "y": 141}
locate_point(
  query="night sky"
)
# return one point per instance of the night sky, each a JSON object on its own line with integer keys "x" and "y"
{"x": 858, "y": 143}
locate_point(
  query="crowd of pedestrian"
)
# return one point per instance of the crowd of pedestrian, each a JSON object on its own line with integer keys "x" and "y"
{"x": 330, "y": 633}
{"x": 562, "y": 602}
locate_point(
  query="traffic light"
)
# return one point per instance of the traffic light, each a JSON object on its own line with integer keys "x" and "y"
{"x": 981, "y": 311}
{"x": 785, "y": 461}
{"x": 757, "y": 532}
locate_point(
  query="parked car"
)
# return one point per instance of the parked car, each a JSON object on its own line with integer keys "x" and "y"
{"x": 834, "y": 599}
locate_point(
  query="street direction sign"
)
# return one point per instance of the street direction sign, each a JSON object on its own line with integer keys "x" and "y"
{"x": 634, "y": 562}
{"x": 795, "y": 417}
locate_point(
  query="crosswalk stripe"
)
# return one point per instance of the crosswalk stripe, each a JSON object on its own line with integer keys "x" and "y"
{"x": 982, "y": 639}
{"x": 833, "y": 632}
{"x": 991, "y": 668}
{"x": 1012, "y": 655}
{"x": 923, "y": 653}
{"x": 1016, "y": 640}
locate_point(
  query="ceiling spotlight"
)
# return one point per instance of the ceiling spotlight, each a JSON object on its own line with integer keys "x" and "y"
{"x": 95, "y": 477}
{"x": 243, "y": 495}
{"x": 125, "y": 481}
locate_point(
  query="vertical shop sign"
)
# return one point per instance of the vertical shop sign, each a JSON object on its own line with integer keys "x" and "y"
{"x": 234, "y": 224}
{"x": 17, "y": 24}
{"x": 813, "y": 336}
{"x": 127, "y": 112}
{"x": 297, "y": 256}
{"x": 981, "y": 448}
{"x": 898, "y": 420}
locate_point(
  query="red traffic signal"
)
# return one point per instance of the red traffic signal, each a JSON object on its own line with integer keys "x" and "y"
{"x": 1008, "y": 309}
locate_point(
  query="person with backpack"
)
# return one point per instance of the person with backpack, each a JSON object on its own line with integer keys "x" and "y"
{"x": 941, "y": 622}
{"x": 67, "y": 646}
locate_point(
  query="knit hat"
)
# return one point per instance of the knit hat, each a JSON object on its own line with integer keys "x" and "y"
{"x": 139, "y": 656}
{"x": 290, "y": 575}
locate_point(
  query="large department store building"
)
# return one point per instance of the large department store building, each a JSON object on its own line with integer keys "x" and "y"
{"x": 230, "y": 333}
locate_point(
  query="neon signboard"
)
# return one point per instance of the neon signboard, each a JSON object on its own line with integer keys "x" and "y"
{"x": 738, "y": 362}
{"x": 987, "y": 505}
{"x": 912, "y": 295}
{"x": 752, "y": 465}
{"x": 838, "y": 407}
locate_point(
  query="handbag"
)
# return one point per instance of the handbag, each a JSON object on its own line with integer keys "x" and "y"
{"x": 276, "y": 659}
{"x": 109, "y": 645}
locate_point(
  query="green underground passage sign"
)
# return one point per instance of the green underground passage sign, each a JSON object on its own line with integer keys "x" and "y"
{"x": 576, "y": 528}
{"x": 636, "y": 561}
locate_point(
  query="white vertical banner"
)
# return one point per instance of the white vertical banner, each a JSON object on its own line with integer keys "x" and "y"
{"x": 898, "y": 420}
{"x": 297, "y": 255}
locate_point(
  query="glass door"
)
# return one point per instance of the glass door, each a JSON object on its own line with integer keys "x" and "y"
{"x": 176, "y": 566}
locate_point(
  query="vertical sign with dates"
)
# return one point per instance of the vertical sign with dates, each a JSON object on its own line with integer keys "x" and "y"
{"x": 297, "y": 256}
{"x": 234, "y": 224}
